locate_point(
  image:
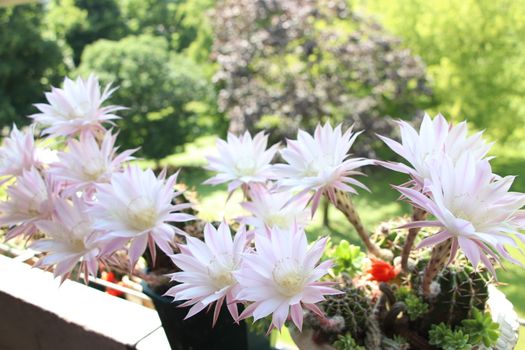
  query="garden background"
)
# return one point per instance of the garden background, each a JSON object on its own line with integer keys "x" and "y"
{"x": 190, "y": 70}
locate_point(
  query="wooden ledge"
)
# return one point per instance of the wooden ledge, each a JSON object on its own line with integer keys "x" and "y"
{"x": 37, "y": 313}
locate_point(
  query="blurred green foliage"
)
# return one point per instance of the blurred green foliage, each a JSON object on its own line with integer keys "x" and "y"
{"x": 474, "y": 51}
{"x": 347, "y": 258}
{"x": 169, "y": 98}
{"x": 29, "y": 61}
{"x": 157, "y": 52}
{"x": 182, "y": 23}
{"x": 278, "y": 67}
{"x": 82, "y": 22}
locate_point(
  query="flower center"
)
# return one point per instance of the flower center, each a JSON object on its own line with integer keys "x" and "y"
{"x": 288, "y": 277}
{"x": 93, "y": 168}
{"x": 311, "y": 169}
{"x": 79, "y": 111}
{"x": 220, "y": 272}
{"x": 281, "y": 221}
{"x": 82, "y": 229}
{"x": 142, "y": 213}
{"x": 245, "y": 166}
{"x": 77, "y": 245}
{"x": 34, "y": 207}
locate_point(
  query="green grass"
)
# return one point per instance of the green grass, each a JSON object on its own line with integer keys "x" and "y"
{"x": 374, "y": 207}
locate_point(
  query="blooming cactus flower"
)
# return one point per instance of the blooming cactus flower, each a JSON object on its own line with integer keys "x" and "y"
{"x": 435, "y": 140}
{"x": 137, "y": 205}
{"x": 282, "y": 276}
{"x": 30, "y": 200}
{"x": 320, "y": 163}
{"x": 242, "y": 160}
{"x": 274, "y": 209}
{"x": 382, "y": 271}
{"x": 208, "y": 269}
{"x": 87, "y": 162}
{"x": 71, "y": 238}
{"x": 18, "y": 153}
{"x": 472, "y": 207}
{"x": 76, "y": 108}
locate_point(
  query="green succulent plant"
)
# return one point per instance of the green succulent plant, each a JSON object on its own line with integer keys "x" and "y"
{"x": 346, "y": 342}
{"x": 481, "y": 329}
{"x": 446, "y": 338}
{"x": 416, "y": 306}
{"x": 348, "y": 258}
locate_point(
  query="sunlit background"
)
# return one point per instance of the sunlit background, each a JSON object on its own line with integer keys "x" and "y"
{"x": 190, "y": 70}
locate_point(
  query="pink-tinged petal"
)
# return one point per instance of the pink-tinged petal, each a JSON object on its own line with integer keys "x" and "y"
{"x": 471, "y": 250}
{"x": 180, "y": 217}
{"x": 315, "y": 309}
{"x": 488, "y": 265}
{"x": 280, "y": 315}
{"x": 393, "y": 145}
{"x": 195, "y": 309}
{"x": 315, "y": 201}
{"x": 265, "y": 307}
{"x": 231, "y": 304}
{"x": 416, "y": 197}
{"x": 136, "y": 248}
{"x": 415, "y": 224}
{"x": 439, "y": 237}
{"x": 217, "y": 310}
{"x": 296, "y": 312}
{"x": 315, "y": 252}
{"x": 248, "y": 311}
{"x": 453, "y": 250}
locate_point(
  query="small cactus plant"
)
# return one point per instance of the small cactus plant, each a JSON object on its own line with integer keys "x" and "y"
{"x": 461, "y": 290}
{"x": 353, "y": 307}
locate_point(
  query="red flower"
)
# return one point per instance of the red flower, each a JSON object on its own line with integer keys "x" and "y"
{"x": 110, "y": 277}
{"x": 381, "y": 271}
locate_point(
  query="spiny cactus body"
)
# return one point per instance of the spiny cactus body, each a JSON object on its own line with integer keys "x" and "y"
{"x": 461, "y": 289}
{"x": 353, "y": 307}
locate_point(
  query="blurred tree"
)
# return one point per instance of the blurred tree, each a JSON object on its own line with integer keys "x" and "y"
{"x": 182, "y": 23}
{"x": 29, "y": 62}
{"x": 82, "y": 22}
{"x": 474, "y": 50}
{"x": 293, "y": 63}
{"x": 170, "y": 99}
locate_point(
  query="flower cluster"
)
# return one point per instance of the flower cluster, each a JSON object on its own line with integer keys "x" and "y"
{"x": 279, "y": 275}
{"x": 452, "y": 180}
{"x": 86, "y": 199}
{"x": 270, "y": 268}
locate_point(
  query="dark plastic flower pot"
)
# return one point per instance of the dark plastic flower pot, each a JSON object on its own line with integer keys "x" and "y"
{"x": 196, "y": 333}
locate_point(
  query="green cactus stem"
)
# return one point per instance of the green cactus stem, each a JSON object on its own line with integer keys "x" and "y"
{"x": 353, "y": 306}
{"x": 461, "y": 290}
{"x": 344, "y": 203}
{"x": 417, "y": 215}
{"x": 438, "y": 261}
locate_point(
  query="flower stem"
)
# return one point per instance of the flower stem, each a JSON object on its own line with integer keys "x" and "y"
{"x": 438, "y": 261}
{"x": 344, "y": 203}
{"x": 417, "y": 215}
